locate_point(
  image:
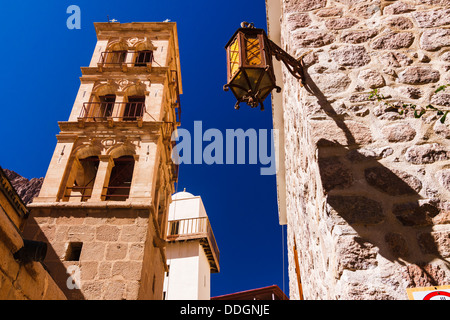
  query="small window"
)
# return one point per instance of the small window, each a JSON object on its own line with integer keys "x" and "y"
{"x": 143, "y": 57}
{"x": 73, "y": 252}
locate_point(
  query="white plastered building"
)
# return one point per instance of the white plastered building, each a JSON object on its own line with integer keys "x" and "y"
{"x": 192, "y": 252}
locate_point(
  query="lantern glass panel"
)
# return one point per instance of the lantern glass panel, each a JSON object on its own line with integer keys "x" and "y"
{"x": 254, "y": 75}
{"x": 239, "y": 85}
{"x": 234, "y": 57}
{"x": 252, "y": 50}
{"x": 266, "y": 86}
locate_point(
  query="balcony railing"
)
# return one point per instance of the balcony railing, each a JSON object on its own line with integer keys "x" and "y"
{"x": 196, "y": 228}
{"x": 85, "y": 193}
{"x": 122, "y": 57}
{"x": 117, "y": 193}
{"x": 78, "y": 192}
{"x": 103, "y": 111}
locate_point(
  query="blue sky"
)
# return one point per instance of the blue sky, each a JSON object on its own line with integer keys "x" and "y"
{"x": 41, "y": 69}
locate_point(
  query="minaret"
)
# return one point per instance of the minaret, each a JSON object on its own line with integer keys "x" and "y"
{"x": 104, "y": 203}
{"x": 192, "y": 251}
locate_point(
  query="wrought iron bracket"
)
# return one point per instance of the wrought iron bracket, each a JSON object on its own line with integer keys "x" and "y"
{"x": 295, "y": 67}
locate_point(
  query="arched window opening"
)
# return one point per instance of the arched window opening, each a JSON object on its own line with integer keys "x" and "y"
{"x": 143, "y": 57}
{"x": 100, "y": 108}
{"x": 134, "y": 108}
{"x": 115, "y": 57}
{"x": 105, "y": 106}
{"x": 120, "y": 179}
{"x": 84, "y": 179}
{"x": 116, "y": 54}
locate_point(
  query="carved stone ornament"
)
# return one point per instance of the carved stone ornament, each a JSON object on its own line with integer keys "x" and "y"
{"x": 131, "y": 42}
{"x": 135, "y": 41}
{"x": 122, "y": 84}
{"x": 109, "y": 142}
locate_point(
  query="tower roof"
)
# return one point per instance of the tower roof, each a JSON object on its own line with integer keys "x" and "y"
{"x": 182, "y": 195}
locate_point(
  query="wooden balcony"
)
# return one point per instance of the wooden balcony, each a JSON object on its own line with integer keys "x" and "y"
{"x": 196, "y": 229}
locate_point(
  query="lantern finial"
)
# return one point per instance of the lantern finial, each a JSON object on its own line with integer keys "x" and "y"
{"x": 245, "y": 24}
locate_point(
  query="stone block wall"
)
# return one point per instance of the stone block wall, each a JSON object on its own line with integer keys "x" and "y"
{"x": 22, "y": 280}
{"x": 118, "y": 259}
{"x": 367, "y": 188}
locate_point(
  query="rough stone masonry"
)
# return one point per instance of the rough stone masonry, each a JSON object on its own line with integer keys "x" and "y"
{"x": 368, "y": 189}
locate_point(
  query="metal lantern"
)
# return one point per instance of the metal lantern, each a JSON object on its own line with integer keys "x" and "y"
{"x": 251, "y": 76}
{"x": 249, "y": 65}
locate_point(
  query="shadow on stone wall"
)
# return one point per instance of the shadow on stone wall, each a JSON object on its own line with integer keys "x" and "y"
{"x": 386, "y": 212}
{"x": 383, "y": 207}
{"x": 52, "y": 263}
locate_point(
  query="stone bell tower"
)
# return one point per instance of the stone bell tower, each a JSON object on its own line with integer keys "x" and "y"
{"x": 104, "y": 203}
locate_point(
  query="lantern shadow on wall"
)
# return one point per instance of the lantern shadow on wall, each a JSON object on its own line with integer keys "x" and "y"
{"x": 251, "y": 76}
